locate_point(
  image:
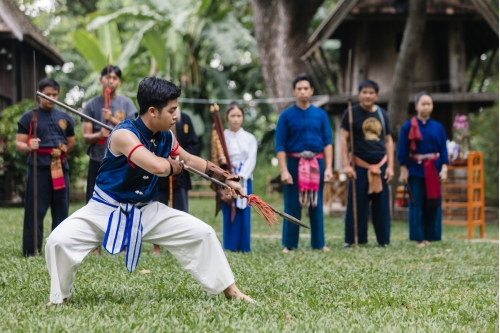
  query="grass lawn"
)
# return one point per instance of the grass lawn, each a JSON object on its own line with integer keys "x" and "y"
{"x": 450, "y": 286}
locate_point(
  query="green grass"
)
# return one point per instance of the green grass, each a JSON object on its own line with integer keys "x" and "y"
{"x": 450, "y": 286}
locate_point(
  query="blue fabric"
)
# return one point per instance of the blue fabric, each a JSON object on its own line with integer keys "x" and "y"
{"x": 236, "y": 234}
{"x": 298, "y": 130}
{"x": 424, "y": 222}
{"x": 433, "y": 141}
{"x": 132, "y": 185}
{"x": 381, "y": 217}
{"x": 54, "y": 127}
{"x": 292, "y": 206}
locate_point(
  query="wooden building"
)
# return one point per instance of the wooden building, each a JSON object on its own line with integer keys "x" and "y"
{"x": 18, "y": 39}
{"x": 457, "y": 34}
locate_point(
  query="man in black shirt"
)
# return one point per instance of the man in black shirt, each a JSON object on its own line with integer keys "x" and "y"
{"x": 373, "y": 160}
{"x": 55, "y": 138}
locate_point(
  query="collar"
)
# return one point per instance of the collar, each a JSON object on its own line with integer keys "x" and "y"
{"x": 299, "y": 108}
{"x": 143, "y": 128}
{"x": 420, "y": 122}
{"x": 43, "y": 110}
{"x": 238, "y": 132}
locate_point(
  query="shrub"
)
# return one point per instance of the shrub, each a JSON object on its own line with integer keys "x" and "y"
{"x": 13, "y": 164}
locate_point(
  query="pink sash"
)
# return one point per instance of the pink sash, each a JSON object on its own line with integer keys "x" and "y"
{"x": 309, "y": 179}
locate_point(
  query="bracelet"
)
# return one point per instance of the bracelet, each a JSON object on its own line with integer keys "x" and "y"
{"x": 171, "y": 168}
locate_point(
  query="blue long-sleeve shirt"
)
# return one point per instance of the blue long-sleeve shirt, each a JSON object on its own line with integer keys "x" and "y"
{"x": 298, "y": 130}
{"x": 433, "y": 141}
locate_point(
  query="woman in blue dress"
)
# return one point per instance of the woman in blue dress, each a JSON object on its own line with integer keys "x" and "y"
{"x": 242, "y": 149}
{"x": 423, "y": 157}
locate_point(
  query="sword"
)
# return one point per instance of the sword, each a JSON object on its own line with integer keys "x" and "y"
{"x": 186, "y": 167}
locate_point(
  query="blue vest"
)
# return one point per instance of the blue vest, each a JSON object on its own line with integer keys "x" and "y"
{"x": 119, "y": 179}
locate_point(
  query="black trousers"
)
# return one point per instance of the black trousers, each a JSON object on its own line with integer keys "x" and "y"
{"x": 91, "y": 177}
{"x": 180, "y": 198}
{"x": 58, "y": 201}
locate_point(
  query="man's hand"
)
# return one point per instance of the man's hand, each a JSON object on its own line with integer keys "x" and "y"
{"x": 104, "y": 132}
{"x": 389, "y": 174}
{"x": 286, "y": 178}
{"x": 403, "y": 175}
{"x": 234, "y": 189}
{"x": 176, "y": 165}
{"x": 34, "y": 144}
{"x": 349, "y": 172}
{"x": 443, "y": 175}
{"x": 328, "y": 175}
{"x": 106, "y": 114}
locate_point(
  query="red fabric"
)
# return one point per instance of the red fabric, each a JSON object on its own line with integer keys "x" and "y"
{"x": 414, "y": 135}
{"x": 308, "y": 179}
{"x": 101, "y": 141}
{"x": 30, "y": 133}
{"x": 48, "y": 151}
{"x": 58, "y": 182}
{"x": 174, "y": 152}
{"x": 107, "y": 98}
{"x": 130, "y": 154}
{"x": 432, "y": 185}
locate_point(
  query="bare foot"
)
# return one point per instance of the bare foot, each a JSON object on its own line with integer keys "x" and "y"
{"x": 65, "y": 301}
{"x": 420, "y": 244}
{"x": 326, "y": 249}
{"x": 232, "y": 292}
{"x": 156, "y": 249}
{"x": 426, "y": 242}
{"x": 286, "y": 250}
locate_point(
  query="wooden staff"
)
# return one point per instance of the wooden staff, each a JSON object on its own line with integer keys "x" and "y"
{"x": 35, "y": 163}
{"x": 171, "y": 179}
{"x": 351, "y": 139}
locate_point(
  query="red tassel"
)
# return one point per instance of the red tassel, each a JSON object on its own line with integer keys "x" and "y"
{"x": 263, "y": 209}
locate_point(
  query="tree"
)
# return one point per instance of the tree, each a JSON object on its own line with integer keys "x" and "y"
{"x": 281, "y": 31}
{"x": 405, "y": 65}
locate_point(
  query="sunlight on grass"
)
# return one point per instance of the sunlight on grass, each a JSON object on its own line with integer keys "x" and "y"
{"x": 450, "y": 286}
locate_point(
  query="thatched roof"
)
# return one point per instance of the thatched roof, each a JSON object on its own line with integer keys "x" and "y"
{"x": 14, "y": 24}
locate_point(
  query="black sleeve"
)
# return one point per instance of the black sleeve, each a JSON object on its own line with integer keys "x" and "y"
{"x": 70, "y": 131}
{"x": 23, "y": 125}
{"x": 345, "y": 121}
{"x": 388, "y": 129}
{"x": 192, "y": 142}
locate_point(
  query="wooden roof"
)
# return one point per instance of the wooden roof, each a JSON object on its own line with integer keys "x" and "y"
{"x": 15, "y": 24}
{"x": 344, "y": 8}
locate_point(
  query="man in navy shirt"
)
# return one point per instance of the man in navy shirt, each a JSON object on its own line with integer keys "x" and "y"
{"x": 305, "y": 154}
{"x": 55, "y": 138}
{"x": 373, "y": 160}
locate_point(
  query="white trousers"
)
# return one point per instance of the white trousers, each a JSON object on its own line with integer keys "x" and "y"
{"x": 193, "y": 242}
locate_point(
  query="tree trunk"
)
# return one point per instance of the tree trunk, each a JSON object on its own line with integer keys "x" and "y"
{"x": 281, "y": 31}
{"x": 405, "y": 66}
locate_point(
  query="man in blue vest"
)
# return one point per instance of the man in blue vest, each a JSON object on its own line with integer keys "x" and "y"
{"x": 121, "y": 211}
